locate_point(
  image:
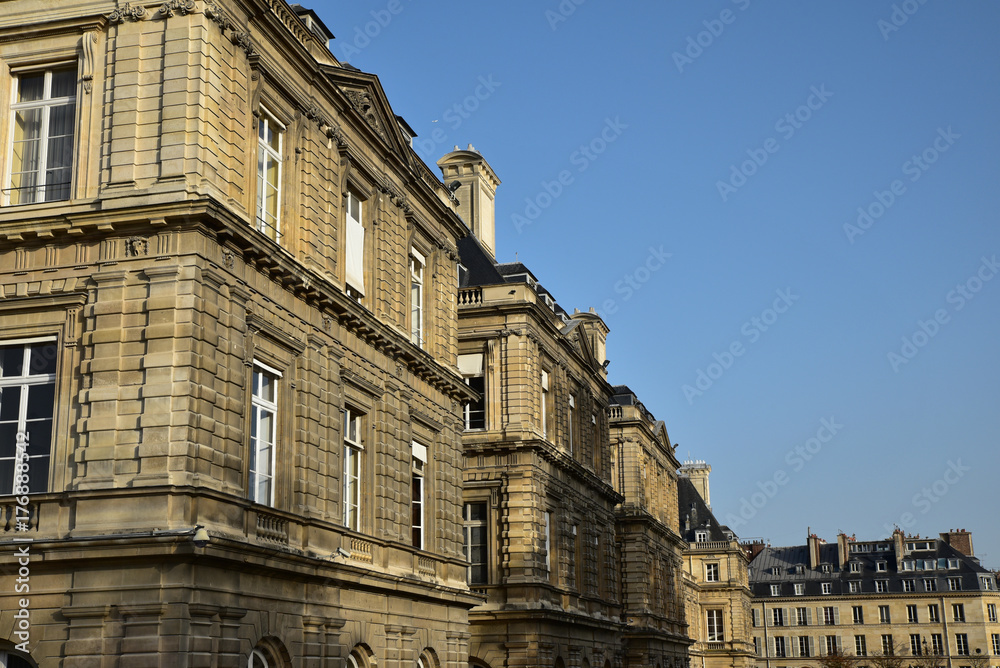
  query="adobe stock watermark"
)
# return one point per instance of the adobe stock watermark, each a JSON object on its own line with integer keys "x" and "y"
{"x": 22, "y": 514}
{"x": 455, "y": 115}
{"x": 796, "y": 458}
{"x": 562, "y": 12}
{"x": 787, "y": 126}
{"x": 959, "y": 296}
{"x": 363, "y": 35}
{"x": 582, "y": 158}
{"x": 925, "y": 499}
{"x": 634, "y": 280}
{"x": 915, "y": 167}
{"x": 697, "y": 43}
{"x": 901, "y": 13}
{"x": 752, "y": 329}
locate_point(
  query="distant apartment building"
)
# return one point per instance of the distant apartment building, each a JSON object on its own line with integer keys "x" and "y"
{"x": 926, "y": 598}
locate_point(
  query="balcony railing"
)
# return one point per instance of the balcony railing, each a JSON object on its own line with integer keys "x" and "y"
{"x": 470, "y": 297}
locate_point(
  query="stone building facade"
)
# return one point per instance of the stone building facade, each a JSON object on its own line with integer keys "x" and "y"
{"x": 228, "y": 307}
{"x": 927, "y": 600}
{"x": 539, "y": 501}
{"x": 650, "y": 546}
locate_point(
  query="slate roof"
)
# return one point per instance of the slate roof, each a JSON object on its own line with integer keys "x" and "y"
{"x": 786, "y": 566}
{"x": 695, "y": 515}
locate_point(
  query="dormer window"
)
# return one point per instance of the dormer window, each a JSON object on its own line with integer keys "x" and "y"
{"x": 701, "y": 536}
{"x": 880, "y": 566}
{"x": 856, "y": 567}
{"x": 826, "y": 568}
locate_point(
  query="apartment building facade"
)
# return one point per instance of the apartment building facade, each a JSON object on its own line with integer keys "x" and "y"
{"x": 927, "y": 599}
{"x": 228, "y": 349}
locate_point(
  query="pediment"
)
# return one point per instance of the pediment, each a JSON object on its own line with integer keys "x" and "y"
{"x": 366, "y": 97}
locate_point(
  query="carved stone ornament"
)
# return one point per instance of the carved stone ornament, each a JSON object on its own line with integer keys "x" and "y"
{"x": 182, "y": 7}
{"x": 229, "y": 258}
{"x": 313, "y": 113}
{"x": 334, "y": 132}
{"x": 240, "y": 38}
{"x": 87, "y": 62}
{"x": 363, "y": 103}
{"x": 127, "y": 13}
{"x": 136, "y": 246}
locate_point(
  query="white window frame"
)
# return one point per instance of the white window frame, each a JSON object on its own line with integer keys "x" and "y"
{"x": 937, "y": 644}
{"x": 354, "y": 245}
{"x": 265, "y": 152}
{"x": 24, "y": 447}
{"x": 958, "y": 612}
{"x": 715, "y": 630}
{"x": 712, "y": 572}
{"x": 471, "y": 367}
{"x": 469, "y": 527}
{"x": 858, "y": 614}
{"x": 930, "y": 584}
{"x": 826, "y": 587}
{"x": 854, "y": 586}
{"x": 933, "y": 613}
{"x": 547, "y": 540}
{"x": 418, "y": 264}
{"x": 860, "y": 646}
{"x": 546, "y": 398}
{"x": 259, "y": 407}
{"x": 884, "y": 615}
{"x": 800, "y": 588}
{"x": 991, "y": 612}
{"x": 855, "y": 567}
{"x": 881, "y": 586}
{"x": 962, "y": 644}
{"x": 702, "y": 537}
{"x": 418, "y": 496}
{"x": 571, "y": 416}
{"x": 775, "y": 590}
{"x": 954, "y": 584}
{"x": 45, "y": 105}
{"x": 353, "y": 426}
{"x": 912, "y": 616}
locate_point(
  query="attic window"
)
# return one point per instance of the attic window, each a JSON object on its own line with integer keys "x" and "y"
{"x": 880, "y": 566}
{"x": 701, "y": 536}
{"x": 826, "y": 568}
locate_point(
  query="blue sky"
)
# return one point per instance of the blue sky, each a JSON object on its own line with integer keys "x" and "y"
{"x": 824, "y": 180}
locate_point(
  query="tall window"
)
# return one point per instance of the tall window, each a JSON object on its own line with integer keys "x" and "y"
{"x": 547, "y": 540}
{"x": 859, "y": 614}
{"x": 44, "y": 121}
{"x": 830, "y": 615}
{"x": 571, "y": 428}
{"x": 474, "y": 545}
{"x": 937, "y": 644}
{"x": 930, "y": 584}
{"x": 932, "y": 613}
{"x": 962, "y": 644}
{"x": 915, "y": 649}
{"x": 27, "y": 398}
{"x": 883, "y": 614}
{"x": 800, "y": 588}
{"x": 831, "y": 645}
{"x": 779, "y": 646}
{"x": 417, "y": 263}
{"x": 911, "y": 614}
{"x": 958, "y": 612}
{"x": 269, "y": 135}
{"x": 881, "y": 586}
{"x": 995, "y": 638}
{"x": 954, "y": 584}
{"x": 777, "y": 616}
{"x": 888, "y": 647}
{"x": 804, "y": 650}
{"x": 775, "y": 589}
{"x": 418, "y": 495}
{"x": 547, "y": 417}
{"x": 354, "y": 241}
{"x": 471, "y": 368}
{"x": 711, "y": 572}
{"x": 860, "y": 647}
{"x": 909, "y": 585}
{"x": 714, "y": 626}
{"x": 802, "y": 616}
{"x": 353, "y": 450}
{"x": 263, "y": 433}
{"x": 826, "y": 587}
{"x": 991, "y": 612}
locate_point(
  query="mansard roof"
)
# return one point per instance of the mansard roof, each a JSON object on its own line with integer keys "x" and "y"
{"x": 695, "y": 515}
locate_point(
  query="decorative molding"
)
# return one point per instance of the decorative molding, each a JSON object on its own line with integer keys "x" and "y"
{"x": 363, "y": 103}
{"x": 136, "y": 246}
{"x": 240, "y": 38}
{"x": 127, "y": 13}
{"x": 87, "y": 62}
{"x": 182, "y": 7}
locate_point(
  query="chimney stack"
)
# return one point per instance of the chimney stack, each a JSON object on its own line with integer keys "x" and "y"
{"x": 474, "y": 183}
{"x": 961, "y": 540}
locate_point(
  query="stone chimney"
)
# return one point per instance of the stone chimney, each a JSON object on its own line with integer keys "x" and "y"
{"x": 753, "y": 548}
{"x": 697, "y": 472}
{"x": 474, "y": 183}
{"x": 961, "y": 540}
{"x": 813, "y": 543}
{"x": 843, "y": 550}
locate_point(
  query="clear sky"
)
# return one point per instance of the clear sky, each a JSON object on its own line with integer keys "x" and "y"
{"x": 786, "y": 212}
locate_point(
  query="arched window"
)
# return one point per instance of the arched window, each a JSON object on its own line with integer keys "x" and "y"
{"x": 8, "y": 660}
{"x": 260, "y": 659}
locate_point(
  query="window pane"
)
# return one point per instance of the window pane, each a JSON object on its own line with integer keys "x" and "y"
{"x": 8, "y": 443}
{"x": 31, "y": 87}
{"x": 42, "y": 359}
{"x": 10, "y": 403}
{"x": 39, "y": 475}
{"x": 39, "y": 433}
{"x": 40, "y": 399}
{"x": 11, "y": 361}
